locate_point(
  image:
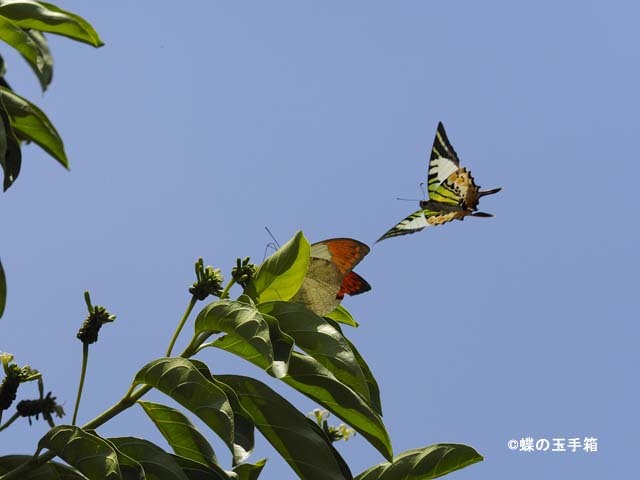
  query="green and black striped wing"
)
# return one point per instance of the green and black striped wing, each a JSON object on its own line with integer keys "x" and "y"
{"x": 442, "y": 164}
{"x": 420, "y": 220}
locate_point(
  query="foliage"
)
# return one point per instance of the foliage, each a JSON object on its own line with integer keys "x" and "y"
{"x": 263, "y": 325}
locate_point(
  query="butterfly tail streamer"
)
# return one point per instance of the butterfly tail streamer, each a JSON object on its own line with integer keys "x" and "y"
{"x": 488, "y": 192}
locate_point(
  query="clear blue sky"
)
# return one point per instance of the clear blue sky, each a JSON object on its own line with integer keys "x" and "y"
{"x": 196, "y": 126}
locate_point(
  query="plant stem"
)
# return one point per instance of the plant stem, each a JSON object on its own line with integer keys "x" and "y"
{"x": 85, "y": 360}
{"x": 10, "y": 421}
{"x": 187, "y": 312}
{"x": 225, "y": 292}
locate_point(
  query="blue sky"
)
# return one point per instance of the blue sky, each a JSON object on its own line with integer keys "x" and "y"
{"x": 195, "y": 127}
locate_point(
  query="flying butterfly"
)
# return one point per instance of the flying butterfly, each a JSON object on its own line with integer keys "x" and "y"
{"x": 453, "y": 193}
{"x": 330, "y": 275}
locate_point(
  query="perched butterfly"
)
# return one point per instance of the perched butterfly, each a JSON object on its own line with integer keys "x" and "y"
{"x": 331, "y": 276}
{"x": 452, "y": 192}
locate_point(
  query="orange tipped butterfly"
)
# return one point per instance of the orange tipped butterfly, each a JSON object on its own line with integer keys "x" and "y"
{"x": 330, "y": 275}
{"x": 453, "y": 193}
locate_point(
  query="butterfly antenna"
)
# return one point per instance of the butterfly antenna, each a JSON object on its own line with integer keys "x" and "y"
{"x": 272, "y": 237}
{"x": 266, "y": 249}
{"x": 407, "y": 199}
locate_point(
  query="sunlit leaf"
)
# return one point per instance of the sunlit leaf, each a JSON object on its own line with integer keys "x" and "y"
{"x": 241, "y": 319}
{"x": 48, "y": 471}
{"x": 321, "y": 340}
{"x": 180, "y": 433}
{"x": 424, "y": 463}
{"x": 87, "y": 452}
{"x": 287, "y": 429}
{"x": 309, "y": 377}
{"x": 342, "y": 315}
{"x": 181, "y": 380}
{"x": 18, "y": 38}
{"x": 281, "y": 275}
{"x": 47, "y": 17}
{"x": 156, "y": 462}
{"x": 30, "y": 123}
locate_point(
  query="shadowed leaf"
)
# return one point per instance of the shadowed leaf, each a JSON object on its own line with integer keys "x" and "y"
{"x": 183, "y": 437}
{"x": 197, "y": 471}
{"x": 250, "y": 471}
{"x": 3, "y": 290}
{"x": 48, "y": 471}
{"x": 287, "y": 429}
{"x": 156, "y": 462}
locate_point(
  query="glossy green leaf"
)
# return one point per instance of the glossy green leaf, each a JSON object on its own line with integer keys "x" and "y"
{"x": 30, "y": 123}
{"x": 183, "y": 437}
{"x": 87, "y": 452}
{"x": 286, "y": 428}
{"x": 157, "y": 463}
{"x": 12, "y": 34}
{"x": 241, "y": 319}
{"x": 424, "y": 463}
{"x": 3, "y": 290}
{"x": 342, "y": 315}
{"x": 44, "y": 72}
{"x": 197, "y": 471}
{"x": 181, "y": 380}
{"x": 243, "y": 425}
{"x": 281, "y": 275}
{"x": 10, "y": 153}
{"x": 321, "y": 340}
{"x": 250, "y": 471}
{"x": 48, "y": 471}
{"x": 309, "y": 377}
{"x": 129, "y": 468}
{"x": 47, "y": 17}
{"x": 374, "y": 390}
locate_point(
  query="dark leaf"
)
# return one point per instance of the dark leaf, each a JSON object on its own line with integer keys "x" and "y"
{"x": 250, "y": 471}
{"x": 197, "y": 471}
{"x": 157, "y": 463}
{"x": 48, "y": 471}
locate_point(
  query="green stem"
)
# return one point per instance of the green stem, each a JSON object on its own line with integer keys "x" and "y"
{"x": 187, "y": 312}
{"x": 85, "y": 360}
{"x": 225, "y": 292}
{"x": 10, "y": 421}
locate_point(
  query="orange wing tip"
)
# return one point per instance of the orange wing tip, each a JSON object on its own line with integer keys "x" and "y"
{"x": 353, "y": 284}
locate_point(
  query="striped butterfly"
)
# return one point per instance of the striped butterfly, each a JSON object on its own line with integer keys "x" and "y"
{"x": 330, "y": 275}
{"x": 453, "y": 193}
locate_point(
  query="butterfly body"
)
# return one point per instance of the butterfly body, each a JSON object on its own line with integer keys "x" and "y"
{"x": 453, "y": 193}
{"x": 330, "y": 275}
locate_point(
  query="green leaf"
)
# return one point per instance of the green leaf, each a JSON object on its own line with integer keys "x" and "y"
{"x": 88, "y": 453}
{"x": 10, "y": 154}
{"x": 287, "y": 429}
{"x": 374, "y": 390}
{"x": 3, "y": 290}
{"x": 281, "y": 275}
{"x": 250, "y": 471}
{"x": 424, "y": 463}
{"x": 309, "y": 377}
{"x": 29, "y": 48}
{"x": 129, "y": 468}
{"x": 243, "y": 426}
{"x": 321, "y": 340}
{"x": 30, "y": 123}
{"x": 48, "y": 471}
{"x": 44, "y": 72}
{"x": 181, "y": 380}
{"x": 183, "y": 437}
{"x": 342, "y": 315}
{"x": 47, "y": 17}
{"x": 157, "y": 463}
{"x": 197, "y": 471}
{"x": 241, "y": 319}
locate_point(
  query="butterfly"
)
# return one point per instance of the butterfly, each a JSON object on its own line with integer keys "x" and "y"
{"x": 330, "y": 275}
{"x": 453, "y": 193}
